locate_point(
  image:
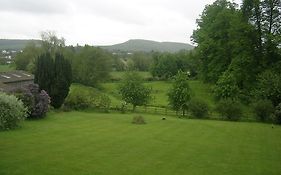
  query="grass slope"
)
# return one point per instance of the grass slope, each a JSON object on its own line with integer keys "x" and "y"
{"x": 106, "y": 144}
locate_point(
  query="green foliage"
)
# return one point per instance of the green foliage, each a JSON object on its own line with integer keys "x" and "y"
{"x": 91, "y": 66}
{"x": 141, "y": 61}
{"x": 25, "y": 60}
{"x": 198, "y": 108}
{"x": 226, "y": 87}
{"x": 78, "y": 99}
{"x": 82, "y": 97}
{"x": 54, "y": 76}
{"x": 138, "y": 120}
{"x": 133, "y": 91}
{"x": 263, "y": 110}
{"x": 102, "y": 102}
{"x": 229, "y": 109}
{"x": 179, "y": 94}
{"x": 167, "y": 65}
{"x": 213, "y": 38}
{"x": 269, "y": 87}
{"x": 277, "y": 114}
{"x": 12, "y": 111}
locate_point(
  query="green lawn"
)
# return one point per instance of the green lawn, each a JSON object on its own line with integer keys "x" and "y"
{"x": 106, "y": 144}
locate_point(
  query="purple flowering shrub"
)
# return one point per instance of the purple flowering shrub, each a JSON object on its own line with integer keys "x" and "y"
{"x": 36, "y": 101}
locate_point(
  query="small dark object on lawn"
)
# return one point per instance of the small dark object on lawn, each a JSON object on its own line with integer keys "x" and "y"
{"x": 164, "y": 118}
{"x": 138, "y": 120}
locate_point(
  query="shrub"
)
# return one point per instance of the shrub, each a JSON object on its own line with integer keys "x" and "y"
{"x": 102, "y": 102}
{"x": 138, "y": 120}
{"x": 12, "y": 111}
{"x": 36, "y": 101}
{"x": 226, "y": 87}
{"x": 269, "y": 86}
{"x": 198, "y": 108}
{"x": 78, "y": 99}
{"x": 278, "y": 114}
{"x": 263, "y": 109}
{"x": 229, "y": 109}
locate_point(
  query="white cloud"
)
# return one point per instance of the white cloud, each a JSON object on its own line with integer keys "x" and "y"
{"x": 101, "y": 21}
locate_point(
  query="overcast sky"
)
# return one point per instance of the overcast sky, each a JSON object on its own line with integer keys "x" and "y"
{"x": 101, "y": 22}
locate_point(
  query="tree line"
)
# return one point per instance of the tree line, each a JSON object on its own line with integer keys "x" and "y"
{"x": 240, "y": 49}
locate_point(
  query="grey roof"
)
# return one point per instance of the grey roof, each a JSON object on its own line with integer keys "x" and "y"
{"x": 15, "y": 76}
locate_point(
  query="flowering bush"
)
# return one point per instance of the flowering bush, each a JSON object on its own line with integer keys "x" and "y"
{"x": 36, "y": 101}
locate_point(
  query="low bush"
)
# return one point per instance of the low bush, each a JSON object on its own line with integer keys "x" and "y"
{"x": 138, "y": 120}
{"x": 78, "y": 99}
{"x": 102, "y": 102}
{"x": 83, "y": 97}
{"x": 198, "y": 108}
{"x": 277, "y": 114}
{"x": 12, "y": 111}
{"x": 35, "y": 100}
{"x": 263, "y": 110}
{"x": 229, "y": 109}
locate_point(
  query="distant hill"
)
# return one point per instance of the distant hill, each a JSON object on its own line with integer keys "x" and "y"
{"x": 133, "y": 45}
{"x": 148, "y": 45}
{"x": 14, "y": 44}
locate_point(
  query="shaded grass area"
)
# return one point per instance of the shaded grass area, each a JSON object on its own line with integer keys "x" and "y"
{"x": 101, "y": 144}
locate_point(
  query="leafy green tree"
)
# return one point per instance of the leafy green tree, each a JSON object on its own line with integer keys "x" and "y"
{"x": 180, "y": 93}
{"x": 269, "y": 86}
{"x": 166, "y": 65}
{"x": 91, "y": 66}
{"x": 51, "y": 43}
{"x": 227, "y": 87}
{"x": 25, "y": 60}
{"x": 141, "y": 61}
{"x": 133, "y": 91}
{"x": 213, "y": 38}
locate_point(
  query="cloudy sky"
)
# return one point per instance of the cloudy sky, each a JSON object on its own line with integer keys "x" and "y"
{"x": 101, "y": 22}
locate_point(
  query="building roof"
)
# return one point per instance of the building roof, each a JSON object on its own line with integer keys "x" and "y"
{"x": 15, "y": 76}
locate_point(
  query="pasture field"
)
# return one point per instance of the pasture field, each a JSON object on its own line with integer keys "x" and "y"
{"x": 106, "y": 144}
{"x": 161, "y": 88}
{"x": 119, "y": 75}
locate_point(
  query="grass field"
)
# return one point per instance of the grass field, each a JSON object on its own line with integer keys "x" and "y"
{"x": 161, "y": 88}
{"x": 4, "y": 68}
{"x": 106, "y": 144}
{"x": 120, "y": 75}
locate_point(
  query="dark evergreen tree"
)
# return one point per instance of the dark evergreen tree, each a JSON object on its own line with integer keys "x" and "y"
{"x": 62, "y": 80}
{"x": 44, "y": 73}
{"x": 54, "y": 76}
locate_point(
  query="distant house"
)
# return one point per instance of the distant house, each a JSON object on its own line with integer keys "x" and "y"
{"x": 10, "y": 81}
